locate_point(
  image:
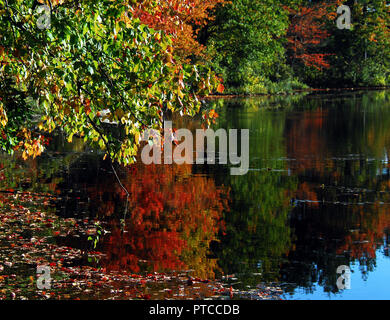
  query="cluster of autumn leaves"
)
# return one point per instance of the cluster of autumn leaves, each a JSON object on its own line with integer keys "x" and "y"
{"x": 307, "y": 29}
{"x": 180, "y": 18}
{"x": 128, "y": 60}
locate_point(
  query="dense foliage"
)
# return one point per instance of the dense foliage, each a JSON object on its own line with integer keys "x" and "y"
{"x": 245, "y": 41}
{"x": 279, "y": 45}
{"x": 182, "y": 19}
{"x": 128, "y": 62}
{"x": 94, "y": 56}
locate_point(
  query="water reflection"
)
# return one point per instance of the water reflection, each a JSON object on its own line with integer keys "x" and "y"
{"x": 330, "y": 156}
{"x": 173, "y": 216}
{"x": 317, "y": 196}
{"x": 342, "y": 215}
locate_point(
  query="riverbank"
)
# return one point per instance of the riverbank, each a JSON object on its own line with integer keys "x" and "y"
{"x": 300, "y": 91}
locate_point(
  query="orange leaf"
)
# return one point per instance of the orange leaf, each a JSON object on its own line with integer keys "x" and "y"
{"x": 221, "y": 88}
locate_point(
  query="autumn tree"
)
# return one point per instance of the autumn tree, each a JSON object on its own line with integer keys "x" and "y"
{"x": 180, "y": 18}
{"x": 95, "y": 56}
{"x": 362, "y": 54}
{"x": 307, "y": 32}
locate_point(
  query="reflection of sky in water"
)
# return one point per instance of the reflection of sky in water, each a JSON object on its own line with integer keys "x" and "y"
{"x": 375, "y": 287}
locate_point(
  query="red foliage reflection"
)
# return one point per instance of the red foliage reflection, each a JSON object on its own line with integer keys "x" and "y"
{"x": 172, "y": 217}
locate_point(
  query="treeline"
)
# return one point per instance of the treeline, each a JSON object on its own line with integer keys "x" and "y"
{"x": 273, "y": 46}
{"x": 70, "y": 60}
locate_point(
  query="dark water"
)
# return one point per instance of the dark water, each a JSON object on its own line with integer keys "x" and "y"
{"x": 317, "y": 196}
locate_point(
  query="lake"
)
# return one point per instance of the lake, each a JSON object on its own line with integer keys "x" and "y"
{"x": 316, "y": 197}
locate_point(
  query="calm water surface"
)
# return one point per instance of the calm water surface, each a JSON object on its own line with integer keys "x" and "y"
{"x": 317, "y": 196}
